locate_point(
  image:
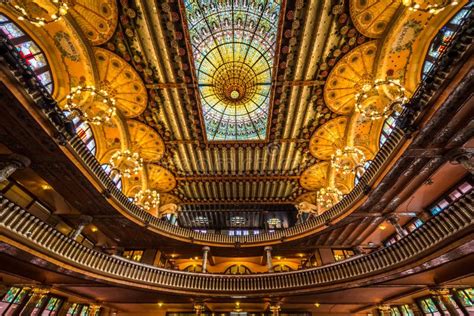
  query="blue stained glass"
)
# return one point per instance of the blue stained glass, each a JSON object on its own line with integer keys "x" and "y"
{"x": 233, "y": 44}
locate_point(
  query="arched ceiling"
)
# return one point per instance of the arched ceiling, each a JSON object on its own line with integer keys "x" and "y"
{"x": 176, "y": 69}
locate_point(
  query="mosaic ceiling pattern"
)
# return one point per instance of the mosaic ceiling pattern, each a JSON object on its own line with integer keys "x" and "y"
{"x": 233, "y": 46}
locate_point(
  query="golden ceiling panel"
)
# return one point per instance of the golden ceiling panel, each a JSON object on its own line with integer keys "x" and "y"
{"x": 121, "y": 82}
{"x": 160, "y": 179}
{"x": 371, "y": 17}
{"x": 315, "y": 177}
{"x": 348, "y": 77}
{"x": 166, "y": 198}
{"x": 145, "y": 140}
{"x": 328, "y": 138}
{"x": 97, "y": 18}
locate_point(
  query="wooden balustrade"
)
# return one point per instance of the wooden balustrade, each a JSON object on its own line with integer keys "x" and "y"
{"x": 21, "y": 226}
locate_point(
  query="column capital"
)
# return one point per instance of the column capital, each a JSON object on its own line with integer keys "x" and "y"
{"x": 439, "y": 291}
{"x": 268, "y": 248}
{"x": 19, "y": 161}
{"x": 383, "y": 307}
{"x": 206, "y": 248}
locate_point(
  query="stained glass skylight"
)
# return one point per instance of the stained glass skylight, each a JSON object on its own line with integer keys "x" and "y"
{"x": 233, "y": 45}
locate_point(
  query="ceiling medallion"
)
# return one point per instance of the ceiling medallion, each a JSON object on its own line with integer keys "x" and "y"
{"x": 435, "y": 8}
{"x": 126, "y": 162}
{"x": 348, "y": 160}
{"x": 389, "y": 89}
{"x": 62, "y": 10}
{"x": 328, "y": 197}
{"x": 147, "y": 199}
{"x": 80, "y": 102}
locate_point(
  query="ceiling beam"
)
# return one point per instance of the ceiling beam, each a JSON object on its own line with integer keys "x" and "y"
{"x": 233, "y": 178}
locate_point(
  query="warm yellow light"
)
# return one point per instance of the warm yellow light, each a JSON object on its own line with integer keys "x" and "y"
{"x": 195, "y": 258}
{"x": 46, "y": 187}
{"x": 160, "y": 304}
{"x": 382, "y": 226}
{"x": 317, "y": 304}
{"x": 94, "y": 229}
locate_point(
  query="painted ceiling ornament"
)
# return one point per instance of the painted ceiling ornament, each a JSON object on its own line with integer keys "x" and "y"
{"x": 390, "y": 92}
{"x": 233, "y": 48}
{"x": 432, "y": 7}
{"x": 126, "y": 162}
{"x": 39, "y": 16}
{"x": 91, "y": 105}
{"x": 348, "y": 160}
{"x": 327, "y": 197}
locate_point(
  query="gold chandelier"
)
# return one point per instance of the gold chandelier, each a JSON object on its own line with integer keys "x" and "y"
{"x": 397, "y": 100}
{"x": 436, "y": 8}
{"x": 327, "y": 197}
{"x": 62, "y": 10}
{"x": 75, "y": 102}
{"x": 147, "y": 199}
{"x": 348, "y": 159}
{"x": 126, "y": 162}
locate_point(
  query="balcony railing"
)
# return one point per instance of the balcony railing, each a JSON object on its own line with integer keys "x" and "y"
{"x": 422, "y": 96}
{"x": 454, "y": 223}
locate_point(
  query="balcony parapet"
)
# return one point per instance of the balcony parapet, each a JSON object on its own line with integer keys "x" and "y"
{"x": 21, "y": 227}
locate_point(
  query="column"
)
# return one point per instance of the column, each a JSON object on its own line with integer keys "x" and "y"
{"x": 84, "y": 220}
{"x": 94, "y": 308}
{"x": 11, "y": 163}
{"x": 384, "y": 310}
{"x": 268, "y": 252}
{"x": 416, "y": 310}
{"x": 199, "y": 308}
{"x": 205, "y": 251}
{"x": 275, "y": 309}
{"x": 36, "y": 295}
{"x": 443, "y": 296}
{"x": 64, "y": 308}
{"x": 393, "y": 219}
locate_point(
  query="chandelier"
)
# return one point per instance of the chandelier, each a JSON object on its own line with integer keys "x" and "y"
{"x": 398, "y": 99}
{"x": 76, "y": 99}
{"x": 348, "y": 159}
{"x": 147, "y": 199}
{"x": 412, "y": 5}
{"x": 127, "y": 162}
{"x": 37, "y": 21}
{"x": 327, "y": 197}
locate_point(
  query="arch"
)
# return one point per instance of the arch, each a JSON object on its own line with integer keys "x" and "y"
{"x": 282, "y": 268}
{"x": 237, "y": 269}
{"x": 371, "y": 18}
{"x": 193, "y": 268}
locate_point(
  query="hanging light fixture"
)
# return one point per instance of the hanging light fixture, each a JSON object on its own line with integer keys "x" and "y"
{"x": 435, "y": 8}
{"x": 126, "y": 162}
{"x": 348, "y": 160}
{"x": 327, "y": 197}
{"x": 78, "y": 97}
{"x": 398, "y": 99}
{"x": 147, "y": 199}
{"x": 62, "y": 10}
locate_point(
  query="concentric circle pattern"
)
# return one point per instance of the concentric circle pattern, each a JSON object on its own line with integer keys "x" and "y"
{"x": 234, "y": 47}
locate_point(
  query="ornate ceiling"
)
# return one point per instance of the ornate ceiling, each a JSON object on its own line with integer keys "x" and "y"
{"x": 241, "y": 101}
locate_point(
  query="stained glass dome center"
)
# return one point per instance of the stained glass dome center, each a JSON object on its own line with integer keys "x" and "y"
{"x": 233, "y": 48}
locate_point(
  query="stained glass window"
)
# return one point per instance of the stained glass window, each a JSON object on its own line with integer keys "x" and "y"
{"x": 444, "y": 37}
{"x": 233, "y": 44}
{"x": 29, "y": 51}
